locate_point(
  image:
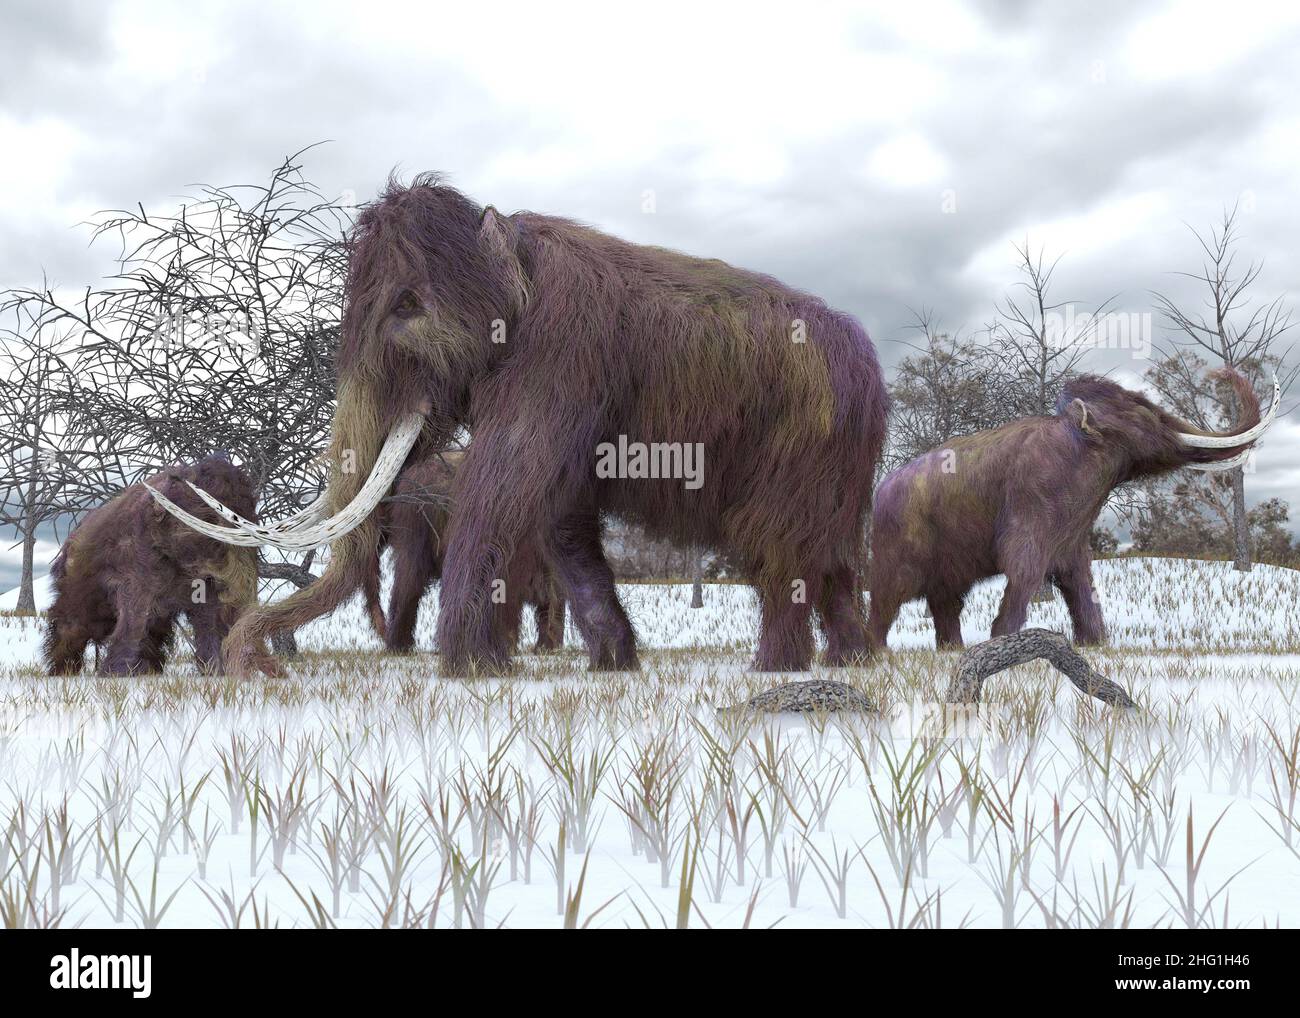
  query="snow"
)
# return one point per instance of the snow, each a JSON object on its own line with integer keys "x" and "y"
{"x": 42, "y": 589}
{"x": 436, "y": 783}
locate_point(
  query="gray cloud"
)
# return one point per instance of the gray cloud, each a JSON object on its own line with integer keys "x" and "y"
{"x": 816, "y": 150}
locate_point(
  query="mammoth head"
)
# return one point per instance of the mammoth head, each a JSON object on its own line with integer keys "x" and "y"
{"x": 432, "y": 281}
{"x": 1153, "y": 440}
{"x": 434, "y": 285}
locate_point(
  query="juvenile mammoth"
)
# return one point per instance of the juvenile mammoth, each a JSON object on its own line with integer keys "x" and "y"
{"x": 129, "y": 571}
{"x": 1022, "y": 499}
{"x": 413, "y": 522}
{"x": 554, "y": 343}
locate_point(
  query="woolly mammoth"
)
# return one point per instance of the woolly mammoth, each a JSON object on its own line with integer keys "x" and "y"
{"x": 1022, "y": 499}
{"x": 129, "y": 571}
{"x": 413, "y": 521}
{"x": 553, "y": 343}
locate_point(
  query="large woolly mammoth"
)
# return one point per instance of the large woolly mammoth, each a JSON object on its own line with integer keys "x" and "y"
{"x": 1022, "y": 499}
{"x": 129, "y": 571}
{"x": 413, "y": 522}
{"x": 555, "y": 343}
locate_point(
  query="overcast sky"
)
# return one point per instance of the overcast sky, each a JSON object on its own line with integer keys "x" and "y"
{"x": 881, "y": 159}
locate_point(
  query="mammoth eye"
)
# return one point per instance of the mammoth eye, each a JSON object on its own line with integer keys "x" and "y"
{"x": 407, "y": 304}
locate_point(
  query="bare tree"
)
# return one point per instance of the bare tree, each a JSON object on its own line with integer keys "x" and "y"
{"x": 1232, "y": 329}
{"x": 1039, "y": 341}
{"x": 216, "y": 333}
{"x": 57, "y": 459}
{"x": 951, "y": 385}
{"x": 31, "y": 373}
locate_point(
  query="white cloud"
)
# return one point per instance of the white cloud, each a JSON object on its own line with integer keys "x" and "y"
{"x": 810, "y": 142}
{"x": 907, "y": 160}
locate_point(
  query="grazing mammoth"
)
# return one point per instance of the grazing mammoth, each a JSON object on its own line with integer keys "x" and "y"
{"x": 413, "y": 521}
{"x": 128, "y": 571}
{"x": 554, "y": 343}
{"x": 1022, "y": 499}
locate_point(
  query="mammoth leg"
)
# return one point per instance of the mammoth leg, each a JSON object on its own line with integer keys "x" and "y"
{"x": 550, "y": 622}
{"x": 157, "y": 645}
{"x": 415, "y": 566}
{"x": 1025, "y": 571}
{"x": 785, "y": 640}
{"x": 946, "y": 612}
{"x": 885, "y": 605}
{"x": 1073, "y": 579}
{"x": 210, "y": 628}
{"x": 516, "y": 482}
{"x": 575, "y": 552}
{"x": 842, "y": 619}
{"x": 129, "y": 636}
{"x": 65, "y": 645}
{"x": 471, "y": 638}
{"x": 510, "y": 617}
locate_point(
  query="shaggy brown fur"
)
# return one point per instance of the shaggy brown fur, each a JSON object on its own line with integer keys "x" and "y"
{"x": 414, "y": 521}
{"x": 1022, "y": 500}
{"x": 546, "y": 339}
{"x": 129, "y": 570}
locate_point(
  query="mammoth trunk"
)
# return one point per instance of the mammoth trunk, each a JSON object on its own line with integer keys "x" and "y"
{"x": 360, "y": 423}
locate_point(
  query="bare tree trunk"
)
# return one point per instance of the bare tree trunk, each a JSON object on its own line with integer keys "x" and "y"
{"x": 1240, "y": 530}
{"x": 697, "y": 582}
{"x": 26, "y": 587}
{"x": 285, "y": 644}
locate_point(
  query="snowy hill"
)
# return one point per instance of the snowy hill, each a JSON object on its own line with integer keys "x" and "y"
{"x": 42, "y": 588}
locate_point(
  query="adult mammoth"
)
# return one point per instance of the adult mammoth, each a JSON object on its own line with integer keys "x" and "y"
{"x": 413, "y": 522}
{"x": 554, "y": 343}
{"x": 1022, "y": 499}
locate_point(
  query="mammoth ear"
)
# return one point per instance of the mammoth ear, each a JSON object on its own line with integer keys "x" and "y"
{"x": 1077, "y": 412}
{"x": 499, "y": 237}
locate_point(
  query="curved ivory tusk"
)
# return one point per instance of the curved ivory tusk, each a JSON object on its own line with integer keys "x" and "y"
{"x": 306, "y": 517}
{"x": 1228, "y": 441}
{"x": 387, "y": 464}
{"x": 224, "y": 534}
{"x": 1228, "y": 464}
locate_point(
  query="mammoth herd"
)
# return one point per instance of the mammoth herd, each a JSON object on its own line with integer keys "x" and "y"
{"x": 548, "y": 341}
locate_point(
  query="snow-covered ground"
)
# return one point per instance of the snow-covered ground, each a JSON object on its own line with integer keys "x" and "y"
{"x": 362, "y": 790}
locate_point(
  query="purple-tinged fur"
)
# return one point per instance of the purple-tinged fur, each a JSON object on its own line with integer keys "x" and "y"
{"x": 1022, "y": 500}
{"x": 129, "y": 571}
{"x": 413, "y": 523}
{"x": 601, "y": 338}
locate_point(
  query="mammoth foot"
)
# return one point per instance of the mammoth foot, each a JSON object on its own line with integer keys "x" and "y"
{"x": 859, "y": 658}
{"x": 790, "y": 657}
{"x": 615, "y": 660}
{"x": 243, "y": 658}
{"x": 474, "y": 666}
